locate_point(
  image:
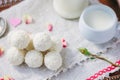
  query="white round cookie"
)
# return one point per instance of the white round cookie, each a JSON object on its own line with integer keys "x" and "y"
{"x": 56, "y": 45}
{"x": 42, "y": 41}
{"x": 34, "y": 59}
{"x": 15, "y": 56}
{"x": 53, "y": 60}
{"x": 18, "y": 38}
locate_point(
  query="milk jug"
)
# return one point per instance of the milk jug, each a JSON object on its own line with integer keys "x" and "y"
{"x": 70, "y": 9}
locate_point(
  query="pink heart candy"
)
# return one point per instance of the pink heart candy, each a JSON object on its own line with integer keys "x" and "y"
{"x": 15, "y": 22}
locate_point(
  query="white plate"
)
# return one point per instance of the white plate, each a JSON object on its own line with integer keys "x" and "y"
{"x": 3, "y": 26}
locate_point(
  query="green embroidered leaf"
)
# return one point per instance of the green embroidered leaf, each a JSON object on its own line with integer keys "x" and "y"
{"x": 84, "y": 51}
{"x": 92, "y": 58}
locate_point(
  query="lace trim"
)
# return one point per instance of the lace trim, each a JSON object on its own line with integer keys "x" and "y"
{"x": 103, "y": 71}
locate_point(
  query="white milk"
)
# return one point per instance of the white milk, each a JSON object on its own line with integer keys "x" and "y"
{"x": 99, "y": 20}
{"x": 70, "y": 9}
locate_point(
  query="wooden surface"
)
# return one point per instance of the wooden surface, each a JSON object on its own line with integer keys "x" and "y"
{"x": 114, "y": 5}
{"x": 113, "y": 76}
{"x": 7, "y": 3}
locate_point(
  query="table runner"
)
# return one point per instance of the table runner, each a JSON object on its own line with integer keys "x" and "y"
{"x": 43, "y": 14}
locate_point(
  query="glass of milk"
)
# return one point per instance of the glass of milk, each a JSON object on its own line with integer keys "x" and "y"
{"x": 70, "y": 9}
{"x": 98, "y": 23}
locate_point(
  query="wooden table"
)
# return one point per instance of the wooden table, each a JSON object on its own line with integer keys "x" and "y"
{"x": 113, "y": 4}
{"x": 7, "y": 3}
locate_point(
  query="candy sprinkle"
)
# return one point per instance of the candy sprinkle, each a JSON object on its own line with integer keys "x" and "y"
{"x": 64, "y": 43}
{"x": 27, "y": 19}
{"x": 6, "y": 77}
{"x": 1, "y": 51}
{"x": 63, "y": 40}
{"x": 1, "y": 78}
{"x": 50, "y": 27}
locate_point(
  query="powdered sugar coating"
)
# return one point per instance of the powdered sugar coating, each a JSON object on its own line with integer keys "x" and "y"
{"x": 53, "y": 61}
{"x": 42, "y": 41}
{"x": 15, "y": 56}
{"x": 56, "y": 45}
{"x": 34, "y": 59}
{"x": 19, "y": 39}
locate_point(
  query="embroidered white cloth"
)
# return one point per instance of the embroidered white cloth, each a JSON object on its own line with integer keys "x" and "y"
{"x": 43, "y": 13}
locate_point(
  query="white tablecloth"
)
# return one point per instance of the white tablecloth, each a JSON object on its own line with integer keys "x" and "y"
{"x": 72, "y": 69}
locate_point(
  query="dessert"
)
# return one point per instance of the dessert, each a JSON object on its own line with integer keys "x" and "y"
{"x": 53, "y": 60}
{"x": 42, "y": 41}
{"x": 34, "y": 59}
{"x": 19, "y": 39}
{"x": 56, "y": 45}
{"x": 15, "y": 56}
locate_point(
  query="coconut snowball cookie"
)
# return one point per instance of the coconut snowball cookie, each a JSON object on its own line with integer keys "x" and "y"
{"x": 53, "y": 60}
{"x": 34, "y": 59}
{"x": 56, "y": 45}
{"x": 42, "y": 41}
{"x": 19, "y": 39}
{"x": 15, "y": 56}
